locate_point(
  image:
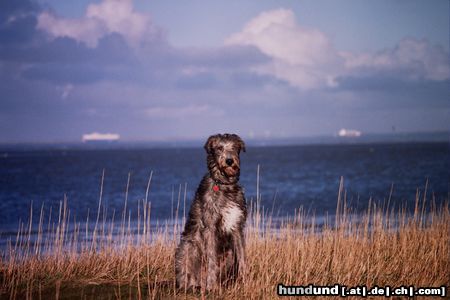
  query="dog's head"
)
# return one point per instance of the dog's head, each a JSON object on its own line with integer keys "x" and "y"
{"x": 223, "y": 157}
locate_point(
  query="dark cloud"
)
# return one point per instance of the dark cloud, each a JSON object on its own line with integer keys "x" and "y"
{"x": 18, "y": 31}
{"x": 65, "y": 60}
{"x": 59, "y": 50}
{"x": 388, "y": 83}
{"x": 230, "y": 57}
{"x": 252, "y": 79}
{"x": 200, "y": 80}
{"x": 17, "y": 26}
{"x": 65, "y": 73}
{"x": 16, "y": 7}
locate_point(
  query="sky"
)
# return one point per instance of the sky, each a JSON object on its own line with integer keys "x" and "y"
{"x": 181, "y": 70}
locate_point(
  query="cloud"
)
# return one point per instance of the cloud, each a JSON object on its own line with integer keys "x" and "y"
{"x": 306, "y": 58}
{"x": 225, "y": 57}
{"x": 63, "y": 60}
{"x": 17, "y": 29}
{"x": 413, "y": 69}
{"x": 114, "y": 42}
{"x": 411, "y": 59}
{"x": 106, "y": 17}
{"x": 11, "y": 10}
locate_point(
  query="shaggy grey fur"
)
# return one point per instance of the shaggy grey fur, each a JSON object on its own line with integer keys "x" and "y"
{"x": 212, "y": 250}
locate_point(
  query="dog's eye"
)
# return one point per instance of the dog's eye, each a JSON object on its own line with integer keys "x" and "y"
{"x": 219, "y": 148}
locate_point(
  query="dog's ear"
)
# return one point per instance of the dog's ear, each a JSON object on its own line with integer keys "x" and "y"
{"x": 242, "y": 145}
{"x": 240, "y": 142}
{"x": 211, "y": 143}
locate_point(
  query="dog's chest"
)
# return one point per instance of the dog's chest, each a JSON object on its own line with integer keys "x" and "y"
{"x": 231, "y": 217}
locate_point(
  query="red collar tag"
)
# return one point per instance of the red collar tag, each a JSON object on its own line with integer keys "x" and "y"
{"x": 215, "y": 188}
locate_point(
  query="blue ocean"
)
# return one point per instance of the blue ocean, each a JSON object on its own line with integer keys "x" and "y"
{"x": 286, "y": 178}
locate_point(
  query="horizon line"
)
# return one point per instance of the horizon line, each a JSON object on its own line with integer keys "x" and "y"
{"x": 438, "y": 135}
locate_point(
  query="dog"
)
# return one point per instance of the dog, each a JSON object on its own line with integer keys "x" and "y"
{"x": 211, "y": 251}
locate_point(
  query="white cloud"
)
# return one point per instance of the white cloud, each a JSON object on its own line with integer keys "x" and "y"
{"x": 100, "y": 19}
{"x": 85, "y": 30}
{"x": 306, "y": 58}
{"x": 415, "y": 58}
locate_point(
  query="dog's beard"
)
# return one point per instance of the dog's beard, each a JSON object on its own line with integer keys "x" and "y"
{"x": 222, "y": 172}
{"x": 228, "y": 171}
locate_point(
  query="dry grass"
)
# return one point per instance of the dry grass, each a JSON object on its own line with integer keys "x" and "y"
{"x": 380, "y": 247}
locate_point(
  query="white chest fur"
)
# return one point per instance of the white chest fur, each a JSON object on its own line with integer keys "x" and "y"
{"x": 231, "y": 217}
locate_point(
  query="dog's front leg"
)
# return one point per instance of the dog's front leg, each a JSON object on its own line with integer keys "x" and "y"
{"x": 211, "y": 256}
{"x": 239, "y": 248}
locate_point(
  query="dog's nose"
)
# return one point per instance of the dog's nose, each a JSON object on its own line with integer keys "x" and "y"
{"x": 229, "y": 161}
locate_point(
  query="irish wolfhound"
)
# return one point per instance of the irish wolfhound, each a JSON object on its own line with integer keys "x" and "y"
{"x": 211, "y": 250}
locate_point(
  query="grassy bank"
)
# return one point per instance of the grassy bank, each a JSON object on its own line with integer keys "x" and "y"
{"x": 380, "y": 247}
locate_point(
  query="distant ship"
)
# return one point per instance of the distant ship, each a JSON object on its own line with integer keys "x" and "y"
{"x": 349, "y": 133}
{"x": 96, "y": 137}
